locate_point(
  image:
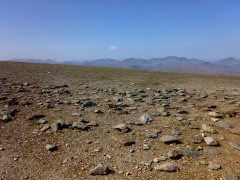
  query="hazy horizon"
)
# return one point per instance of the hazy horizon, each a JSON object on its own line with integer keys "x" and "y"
{"x": 86, "y": 30}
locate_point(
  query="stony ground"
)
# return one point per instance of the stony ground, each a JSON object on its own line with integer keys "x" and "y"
{"x": 72, "y": 122}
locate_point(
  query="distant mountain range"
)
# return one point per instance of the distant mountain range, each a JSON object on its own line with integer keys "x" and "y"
{"x": 46, "y": 61}
{"x": 227, "y": 66}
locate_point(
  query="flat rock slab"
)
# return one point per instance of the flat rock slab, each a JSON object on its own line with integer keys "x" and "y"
{"x": 168, "y": 167}
{"x": 167, "y": 139}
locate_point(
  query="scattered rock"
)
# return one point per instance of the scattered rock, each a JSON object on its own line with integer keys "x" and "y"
{"x": 213, "y": 166}
{"x": 80, "y": 125}
{"x": 163, "y": 158}
{"x": 152, "y": 134}
{"x": 144, "y": 119}
{"x": 210, "y": 141}
{"x": 146, "y": 147}
{"x": 100, "y": 169}
{"x": 174, "y": 154}
{"x": 211, "y": 151}
{"x": 98, "y": 111}
{"x": 168, "y": 167}
{"x": 208, "y": 129}
{"x": 189, "y": 153}
{"x": 167, "y": 139}
{"x": 197, "y": 139}
{"x": 6, "y": 118}
{"x": 215, "y": 119}
{"x": 230, "y": 177}
{"x": 122, "y": 127}
{"x": 54, "y": 127}
{"x": 89, "y": 104}
{"x": 45, "y": 128}
{"x": 234, "y": 145}
{"x": 51, "y": 147}
{"x": 42, "y": 121}
{"x": 215, "y": 115}
{"x": 222, "y": 124}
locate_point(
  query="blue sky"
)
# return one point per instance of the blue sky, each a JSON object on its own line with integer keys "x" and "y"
{"x": 92, "y": 29}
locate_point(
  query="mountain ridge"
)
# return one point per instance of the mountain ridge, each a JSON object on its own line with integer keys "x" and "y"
{"x": 226, "y": 66}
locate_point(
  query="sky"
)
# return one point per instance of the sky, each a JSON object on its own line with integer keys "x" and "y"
{"x": 119, "y": 29}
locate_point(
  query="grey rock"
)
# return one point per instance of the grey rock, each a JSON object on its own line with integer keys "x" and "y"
{"x": 168, "y": 167}
{"x": 210, "y": 141}
{"x": 198, "y": 139}
{"x": 152, "y": 134}
{"x": 6, "y": 118}
{"x": 208, "y": 129}
{"x": 213, "y": 166}
{"x": 193, "y": 125}
{"x": 174, "y": 154}
{"x": 230, "y": 177}
{"x": 215, "y": 119}
{"x": 42, "y": 121}
{"x": 176, "y": 132}
{"x": 162, "y": 111}
{"x": 89, "y": 104}
{"x": 54, "y": 127}
{"x": 222, "y": 124}
{"x": 215, "y": 114}
{"x": 45, "y": 128}
{"x": 80, "y": 125}
{"x": 118, "y": 99}
{"x": 234, "y": 145}
{"x": 145, "y": 118}
{"x": 189, "y": 153}
{"x": 57, "y": 125}
{"x": 100, "y": 169}
{"x": 98, "y": 111}
{"x": 163, "y": 158}
{"x": 51, "y": 147}
{"x": 76, "y": 114}
{"x": 122, "y": 127}
{"x": 180, "y": 118}
{"x": 146, "y": 147}
{"x": 211, "y": 151}
{"x": 167, "y": 139}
